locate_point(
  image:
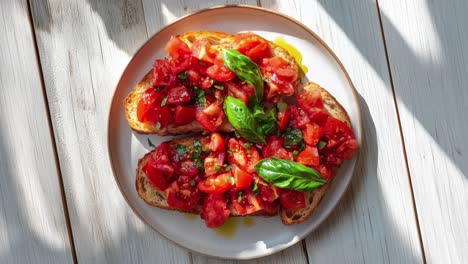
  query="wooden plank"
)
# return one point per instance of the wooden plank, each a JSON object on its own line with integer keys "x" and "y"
{"x": 84, "y": 46}
{"x": 32, "y": 220}
{"x": 426, "y": 43}
{"x": 375, "y": 221}
{"x": 172, "y": 10}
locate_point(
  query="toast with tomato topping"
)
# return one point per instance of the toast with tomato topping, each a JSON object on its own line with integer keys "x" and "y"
{"x": 313, "y": 198}
{"x": 202, "y": 47}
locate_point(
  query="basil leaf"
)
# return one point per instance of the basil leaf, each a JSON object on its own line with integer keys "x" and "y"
{"x": 181, "y": 149}
{"x": 288, "y": 174}
{"x": 245, "y": 69}
{"x": 292, "y": 137}
{"x": 151, "y": 143}
{"x": 242, "y": 120}
{"x": 267, "y": 121}
{"x": 321, "y": 144}
{"x": 200, "y": 98}
{"x": 182, "y": 76}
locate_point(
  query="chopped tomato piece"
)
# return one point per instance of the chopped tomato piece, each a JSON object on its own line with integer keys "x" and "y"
{"x": 252, "y": 45}
{"x": 149, "y": 100}
{"x": 216, "y": 185}
{"x": 245, "y": 158}
{"x": 291, "y": 199}
{"x": 244, "y": 202}
{"x": 180, "y": 54}
{"x": 309, "y": 156}
{"x": 312, "y": 133}
{"x": 310, "y": 99}
{"x": 334, "y": 126}
{"x": 242, "y": 178}
{"x": 215, "y": 210}
{"x": 283, "y": 118}
{"x": 280, "y": 77}
{"x": 219, "y": 72}
{"x": 161, "y": 160}
{"x": 202, "y": 50}
{"x": 161, "y": 115}
{"x": 325, "y": 171}
{"x": 178, "y": 94}
{"x": 213, "y": 162}
{"x": 299, "y": 119}
{"x": 155, "y": 177}
{"x": 189, "y": 168}
{"x": 216, "y": 142}
{"x": 206, "y": 83}
{"x": 184, "y": 115}
{"x": 163, "y": 73}
{"x": 181, "y": 194}
{"x": 274, "y": 148}
{"x": 240, "y": 92}
{"x": 210, "y": 116}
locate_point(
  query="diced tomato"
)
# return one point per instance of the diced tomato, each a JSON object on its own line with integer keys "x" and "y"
{"x": 184, "y": 115}
{"x": 189, "y": 168}
{"x": 161, "y": 160}
{"x": 180, "y": 54}
{"x": 210, "y": 116}
{"x": 309, "y": 156}
{"x": 219, "y": 72}
{"x": 244, "y": 202}
{"x": 312, "y": 133}
{"x": 155, "y": 177}
{"x": 325, "y": 171}
{"x": 242, "y": 178}
{"x": 216, "y": 185}
{"x": 242, "y": 157}
{"x": 215, "y": 210}
{"x": 298, "y": 118}
{"x": 206, "y": 83}
{"x": 213, "y": 162}
{"x": 181, "y": 194}
{"x": 252, "y": 45}
{"x": 235, "y": 90}
{"x": 216, "y": 142}
{"x": 283, "y": 118}
{"x": 268, "y": 196}
{"x": 274, "y": 148}
{"x": 163, "y": 73}
{"x": 280, "y": 77}
{"x": 291, "y": 199}
{"x": 334, "y": 126}
{"x": 348, "y": 148}
{"x": 202, "y": 50}
{"x": 310, "y": 99}
{"x": 161, "y": 115}
{"x": 200, "y": 66}
{"x": 149, "y": 100}
{"x": 177, "y": 94}
{"x": 194, "y": 77}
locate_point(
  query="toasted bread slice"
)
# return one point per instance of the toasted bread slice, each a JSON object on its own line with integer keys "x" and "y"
{"x": 219, "y": 41}
{"x": 313, "y": 198}
{"x": 155, "y": 197}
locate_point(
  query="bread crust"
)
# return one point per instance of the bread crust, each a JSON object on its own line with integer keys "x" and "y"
{"x": 219, "y": 41}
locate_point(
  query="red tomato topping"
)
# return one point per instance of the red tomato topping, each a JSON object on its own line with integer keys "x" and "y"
{"x": 213, "y": 162}
{"x": 241, "y": 156}
{"x": 299, "y": 119}
{"x": 309, "y": 156}
{"x": 181, "y": 194}
{"x": 155, "y": 177}
{"x": 184, "y": 115}
{"x": 188, "y": 168}
{"x": 202, "y": 50}
{"x": 161, "y": 115}
{"x": 244, "y": 202}
{"x": 283, "y": 118}
{"x": 241, "y": 92}
{"x": 216, "y": 185}
{"x": 163, "y": 73}
{"x": 242, "y": 178}
{"x": 150, "y": 100}
{"x": 210, "y": 116}
{"x": 274, "y": 148}
{"x": 215, "y": 210}
{"x": 180, "y": 54}
{"x": 216, "y": 142}
{"x": 280, "y": 77}
{"x": 220, "y": 72}
{"x": 252, "y": 46}
{"x": 177, "y": 94}
{"x": 160, "y": 160}
{"x": 312, "y": 133}
{"x": 291, "y": 199}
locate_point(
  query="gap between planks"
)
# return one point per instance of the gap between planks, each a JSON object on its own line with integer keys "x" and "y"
{"x": 52, "y": 135}
{"x": 421, "y": 245}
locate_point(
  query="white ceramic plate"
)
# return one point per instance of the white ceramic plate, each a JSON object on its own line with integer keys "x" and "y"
{"x": 262, "y": 236}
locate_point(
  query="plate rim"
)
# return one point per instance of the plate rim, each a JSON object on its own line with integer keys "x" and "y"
{"x": 354, "y": 92}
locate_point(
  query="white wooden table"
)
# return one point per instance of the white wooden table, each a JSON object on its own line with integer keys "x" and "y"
{"x": 60, "y": 62}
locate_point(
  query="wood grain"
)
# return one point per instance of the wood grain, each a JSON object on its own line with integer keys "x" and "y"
{"x": 375, "y": 220}
{"x": 32, "y": 221}
{"x": 84, "y": 46}
{"x": 426, "y": 43}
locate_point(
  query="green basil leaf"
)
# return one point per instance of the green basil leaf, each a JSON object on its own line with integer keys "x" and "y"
{"x": 292, "y": 137}
{"x": 182, "y": 75}
{"x": 181, "y": 149}
{"x": 321, "y": 144}
{"x": 242, "y": 120}
{"x": 200, "y": 98}
{"x": 245, "y": 69}
{"x": 151, "y": 143}
{"x": 288, "y": 174}
{"x": 267, "y": 121}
